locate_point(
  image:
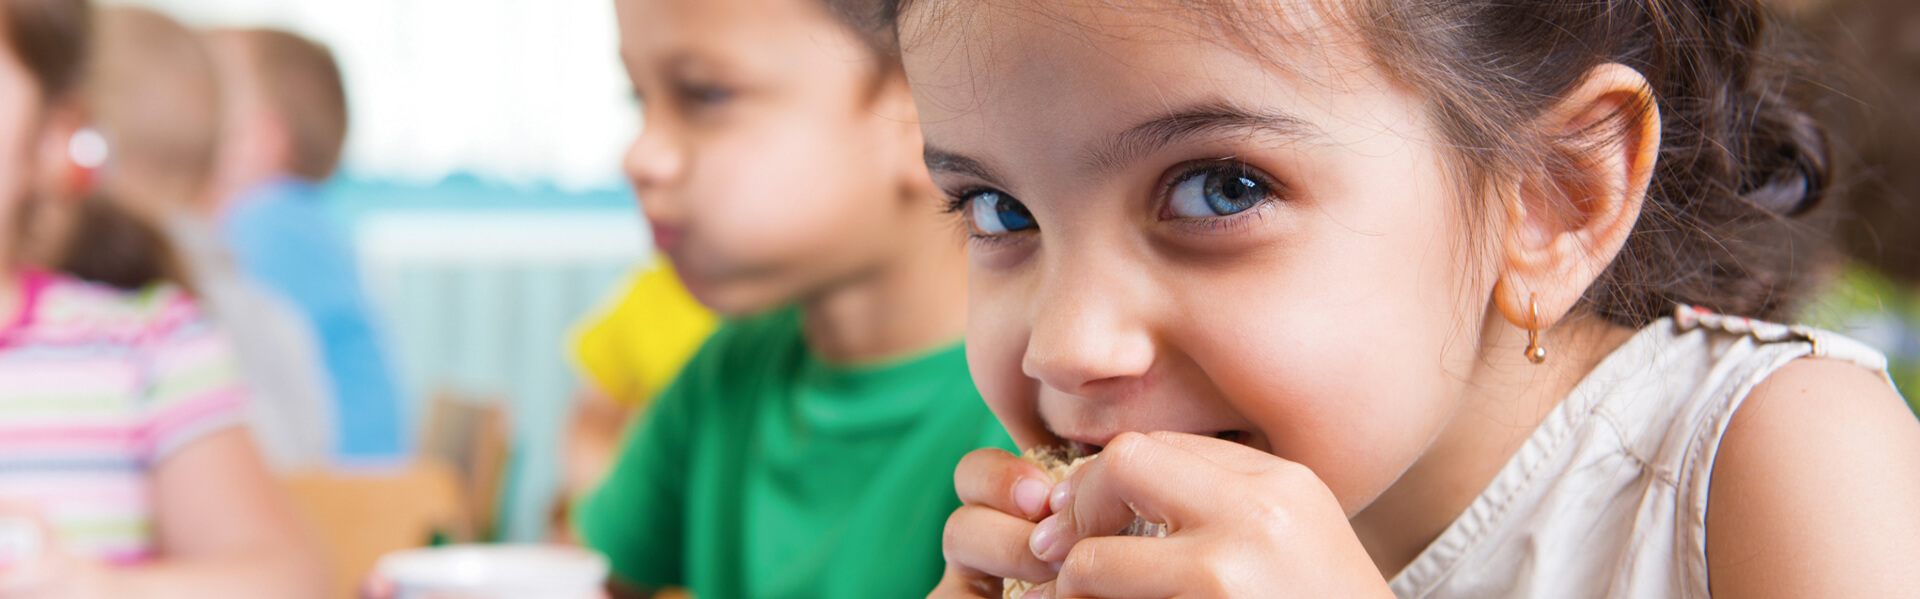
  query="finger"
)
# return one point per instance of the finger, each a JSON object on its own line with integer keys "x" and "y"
{"x": 377, "y": 587}
{"x": 1232, "y": 456}
{"x": 1043, "y": 590}
{"x": 1137, "y": 475}
{"x": 1002, "y": 481}
{"x": 962, "y": 583}
{"x": 1119, "y": 568}
{"x": 993, "y": 544}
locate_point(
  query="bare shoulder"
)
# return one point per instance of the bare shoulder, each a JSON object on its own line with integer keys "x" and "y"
{"x": 1816, "y": 489}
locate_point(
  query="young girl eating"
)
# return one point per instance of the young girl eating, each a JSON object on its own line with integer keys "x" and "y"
{"x": 807, "y": 450}
{"x": 1421, "y": 299}
{"x": 124, "y": 471}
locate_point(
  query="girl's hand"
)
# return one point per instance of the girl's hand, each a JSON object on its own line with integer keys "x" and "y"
{"x": 50, "y": 572}
{"x": 1002, "y": 497}
{"x": 1241, "y": 522}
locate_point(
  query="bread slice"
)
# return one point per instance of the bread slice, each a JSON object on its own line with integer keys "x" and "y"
{"x": 1060, "y": 463}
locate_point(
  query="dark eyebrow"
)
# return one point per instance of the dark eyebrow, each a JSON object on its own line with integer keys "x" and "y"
{"x": 942, "y": 161}
{"x": 1187, "y": 123}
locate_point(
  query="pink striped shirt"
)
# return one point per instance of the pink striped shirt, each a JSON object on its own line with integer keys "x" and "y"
{"x": 97, "y": 387}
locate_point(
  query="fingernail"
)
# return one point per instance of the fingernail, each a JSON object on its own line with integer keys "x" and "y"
{"x": 1031, "y": 496}
{"x": 1034, "y": 594}
{"x": 1062, "y": 496}
{"x": 1044, "y": 536}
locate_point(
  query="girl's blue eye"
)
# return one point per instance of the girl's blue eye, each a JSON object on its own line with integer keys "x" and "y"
{"x": 1218, "y": 192}
{"x": 995, "y": 213}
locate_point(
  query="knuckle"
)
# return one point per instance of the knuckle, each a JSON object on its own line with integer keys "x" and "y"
{"x": 953, "y": 535}
{"x": 1222, "y": 574}
{"x": 1270, "y": 518}
{"x": 1083, "y": 527}
{"x": 1124, "y": 454}
{"x": 1080, "y": 564}
{"x": 1291, "y": 473}
{"x": 972, "y": 466}
{"x": 983, "y": 475}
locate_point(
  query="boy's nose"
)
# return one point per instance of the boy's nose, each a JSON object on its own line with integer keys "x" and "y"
{"x": 1086, "y": 340}
{"x": 653, "y": 161}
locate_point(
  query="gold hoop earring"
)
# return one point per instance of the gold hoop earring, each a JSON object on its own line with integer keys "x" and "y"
{"x": 1535, "y": 353}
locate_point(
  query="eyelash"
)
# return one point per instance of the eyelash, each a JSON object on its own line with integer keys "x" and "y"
{"x": 1220, "y": 224}
{"x": 959, "y": 203}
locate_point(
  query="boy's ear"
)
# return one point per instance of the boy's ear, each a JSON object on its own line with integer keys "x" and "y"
{"x": 1565, "y": 225}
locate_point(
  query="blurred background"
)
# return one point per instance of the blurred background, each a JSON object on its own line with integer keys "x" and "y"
{"x": 481, "y": 189}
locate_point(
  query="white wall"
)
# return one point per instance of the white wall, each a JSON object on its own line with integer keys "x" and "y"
{"x": 514, "y": 90}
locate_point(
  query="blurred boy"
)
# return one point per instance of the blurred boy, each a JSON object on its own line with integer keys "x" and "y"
{"x": 807, "y": 449}
{"x": 285, "y": 122}
{"x": 627, "y": 353}
{"x": 156, "y": 102}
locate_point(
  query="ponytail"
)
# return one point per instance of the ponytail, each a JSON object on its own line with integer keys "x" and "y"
{"x": 113, "y": 246}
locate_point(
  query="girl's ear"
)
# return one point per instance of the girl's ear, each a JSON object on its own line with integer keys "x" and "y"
{"x": 1565, "y": 225}
{"x": 58, "y": 173}
{"x": 58, "y": 182}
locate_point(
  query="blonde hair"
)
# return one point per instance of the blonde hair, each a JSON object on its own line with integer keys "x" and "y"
{"x": 302, "y": 85}
{"x": 154, "y": 95}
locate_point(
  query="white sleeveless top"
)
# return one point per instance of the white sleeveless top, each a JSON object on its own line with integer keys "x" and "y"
{"x": 1608, "y": 497}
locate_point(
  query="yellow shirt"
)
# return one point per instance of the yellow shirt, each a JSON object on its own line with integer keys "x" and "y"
{"x": 631, "y": 350}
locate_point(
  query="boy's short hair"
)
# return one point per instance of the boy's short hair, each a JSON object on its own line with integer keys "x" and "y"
{"x": 155, "y": 95}
{"x": 301, "y": 83}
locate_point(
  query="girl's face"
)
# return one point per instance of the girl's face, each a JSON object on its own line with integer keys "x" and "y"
{"x": 770, "y": 160}
{"x": 1170, "y": 234}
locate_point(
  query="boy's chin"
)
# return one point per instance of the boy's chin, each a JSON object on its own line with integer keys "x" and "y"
{"x": 732, "y": 299}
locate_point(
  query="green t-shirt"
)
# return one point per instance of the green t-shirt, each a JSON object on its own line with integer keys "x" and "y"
{"x": 763, "y": 472}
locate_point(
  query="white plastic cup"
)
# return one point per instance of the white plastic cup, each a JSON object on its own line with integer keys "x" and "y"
{"x": 21, "y": 541}
{"x": 495, "y": 572}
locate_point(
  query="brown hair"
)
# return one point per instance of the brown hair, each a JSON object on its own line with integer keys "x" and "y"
{"x": 302, "y": 86}
{"x": 50, "y": 37}
{"x": 104, "y": 243}
{"x": 1738, "y": 161}
{"x": 1877, "y": 56}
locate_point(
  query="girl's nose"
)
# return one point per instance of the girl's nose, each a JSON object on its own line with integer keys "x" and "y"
{"x": 1087, "y": 338}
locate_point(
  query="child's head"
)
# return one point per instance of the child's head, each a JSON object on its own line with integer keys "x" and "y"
{"x": 285, "y": 105}
{"x": 40, "y": 71}
{"x": 51, "y": 213}
{"x": 778, "y": 156}
{"x": 154, "y": 98}
{"x": 1323, "y": 228}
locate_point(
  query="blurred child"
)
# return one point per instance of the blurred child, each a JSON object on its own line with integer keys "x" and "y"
{"x": 627, "y": 353}
{"x": 285, "y": 122}
{"x": 121, "y": 460}
{"x": 1876, "y": 44}
{"x": 153, "y": 96}
{"x": 1431, "y": 299}
{"x": 806, "y": 449}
